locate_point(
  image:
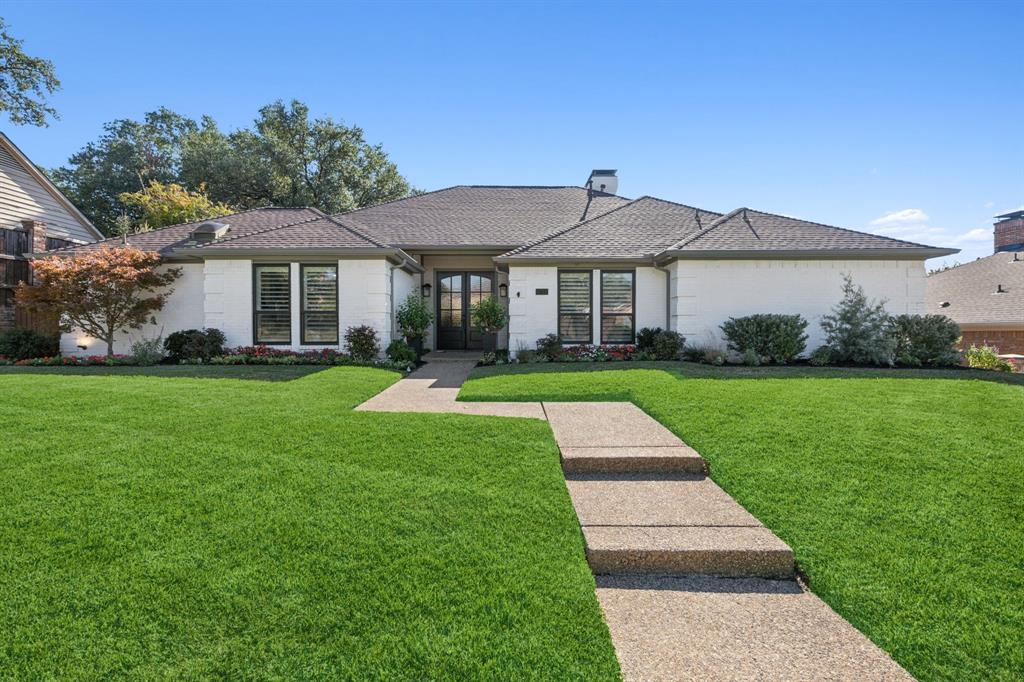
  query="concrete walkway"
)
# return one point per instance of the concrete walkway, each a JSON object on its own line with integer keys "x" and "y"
{"x": 434, "y": 388}
{"x": 692, "y": 586}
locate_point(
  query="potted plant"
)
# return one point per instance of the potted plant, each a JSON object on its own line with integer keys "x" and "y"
{"x": 414, "y": 318}
{"x": 489, "y": 316}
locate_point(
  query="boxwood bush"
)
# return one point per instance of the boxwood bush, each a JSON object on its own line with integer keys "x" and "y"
{"x": 924, "y": 340}
{"x": 194, "y": 344}
{"x": 772, "y": 338}
{"x": 21, "y": 344}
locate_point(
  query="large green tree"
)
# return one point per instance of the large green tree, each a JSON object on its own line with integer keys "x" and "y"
{"x": 285, "y": 159}
{"x": 127, "y": 157}
{"x": 25, "y": 82}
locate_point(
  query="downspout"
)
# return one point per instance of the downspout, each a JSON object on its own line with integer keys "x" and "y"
{"x": 668, "y": 293}
{"x": 391, "y": 301}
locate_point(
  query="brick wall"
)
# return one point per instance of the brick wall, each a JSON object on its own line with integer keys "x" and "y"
{"x": 1006, "y": 340}
{"x": 1009, "y": 233}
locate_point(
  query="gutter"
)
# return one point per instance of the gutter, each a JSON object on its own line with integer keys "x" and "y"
{"x": 915, "y": 253}
{"x": 397, "y": 256}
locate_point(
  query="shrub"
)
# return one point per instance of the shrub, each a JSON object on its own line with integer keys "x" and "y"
{"x": 414, "y": 316}
{"x": 821, "y": 356}
{"x": 497, "y": 357}
{"x": 779, "y": 338}
{"x": 550, "y": 346}
{"x": 751, "y": 358}
{"x": 194, "y": 344}
{"x": 667, "y": 345}
{"x": 74, "y": 361}
{"x": 857, "y": 330}
{"x": 400, "y": 351}
{"x": 928, "y": 340}
{"x": 266, "y": 355}
{"x": 986, "y": 357}
{"x": 21, "y": 344}
{"x": 645, "y": 338}
{"x": 489, "y": 315}
{"x": 362, "y": 342}
{"x": 148, "y": 352}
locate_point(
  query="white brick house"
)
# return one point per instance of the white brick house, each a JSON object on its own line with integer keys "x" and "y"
{"x": 580, "y": 262}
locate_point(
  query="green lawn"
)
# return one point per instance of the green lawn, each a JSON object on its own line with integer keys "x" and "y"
{"x": 902, "y": 493}
{"x": 160, "y": 525}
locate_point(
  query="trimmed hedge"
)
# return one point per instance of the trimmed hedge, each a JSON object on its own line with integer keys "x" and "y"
{"x": 22, "y": 344}
{"x": 769, "y": 337}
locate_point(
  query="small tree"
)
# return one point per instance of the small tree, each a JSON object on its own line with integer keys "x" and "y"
{"x": 171, "y": 204}
{"x": 857, "y": 331}
{"x": 414, "y": 317}
{"x": 100, "y": 292}
{"x": 489, "y": 315}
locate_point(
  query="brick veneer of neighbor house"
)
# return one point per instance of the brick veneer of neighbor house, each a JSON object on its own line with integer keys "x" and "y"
{"x": 1006, "y": 340}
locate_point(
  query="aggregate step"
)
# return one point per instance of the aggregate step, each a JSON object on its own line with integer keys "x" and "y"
{"x": 595, "y": 425}
{"x": 732, "y": 552}
{"x": 653, "y": 500}
{"x": 665, "y": 459}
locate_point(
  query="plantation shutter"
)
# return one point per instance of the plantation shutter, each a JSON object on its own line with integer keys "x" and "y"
{"x": 574, "y": 306}
{"x": 320, "y": 304}
{"x": 617, "y": 307}
{"x": 273, "y": 302}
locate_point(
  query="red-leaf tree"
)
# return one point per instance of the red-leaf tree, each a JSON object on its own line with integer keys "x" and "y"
{"x": 100, "y": 292}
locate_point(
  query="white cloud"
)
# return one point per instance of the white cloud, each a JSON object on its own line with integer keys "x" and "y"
{"x": 912, "y": 225}
{"x": 907, "y": 215}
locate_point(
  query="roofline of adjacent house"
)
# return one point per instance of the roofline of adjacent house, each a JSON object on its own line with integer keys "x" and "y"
{"x": 397, "y": 256}
{"x": 48, "y": 185}
{"x": 908, "y": 253}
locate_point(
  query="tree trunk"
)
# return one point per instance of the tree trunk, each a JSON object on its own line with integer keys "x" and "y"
{"x": 110, "y": 345}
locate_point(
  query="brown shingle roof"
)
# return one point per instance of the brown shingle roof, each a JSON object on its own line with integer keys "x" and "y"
{"x": 638, "y": 229}
{"x": 165, "y": 240}
{"x": 467, "y": 216}
{"x": 970, "y": 290}
{"x": 324, "y": 232}
{"x": 747, "y": 230}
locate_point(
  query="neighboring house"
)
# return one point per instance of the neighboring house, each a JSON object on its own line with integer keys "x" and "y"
{"x": 986, "y": 297}
{"x": 34, "y": 217}
{"x": 578, "y": 261}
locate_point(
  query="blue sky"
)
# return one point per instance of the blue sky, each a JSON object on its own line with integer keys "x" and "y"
{"x": 901, "y": 118}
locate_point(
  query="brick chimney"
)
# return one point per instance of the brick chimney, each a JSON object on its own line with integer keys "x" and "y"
{"x": 1009, "y": 231}
{"x": 36, "y": 235}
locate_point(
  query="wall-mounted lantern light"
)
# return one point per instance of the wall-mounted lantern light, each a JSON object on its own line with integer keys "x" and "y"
{"x": 503, "y": 290}
{"x": 426, "y": 290}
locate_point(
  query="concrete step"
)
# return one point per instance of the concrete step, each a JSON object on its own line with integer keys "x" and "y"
{"x": 666, "y": 459}
{"x": 734, "y": 552}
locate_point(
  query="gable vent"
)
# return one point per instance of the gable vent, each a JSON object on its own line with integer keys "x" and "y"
{"x": 208, "y": 231}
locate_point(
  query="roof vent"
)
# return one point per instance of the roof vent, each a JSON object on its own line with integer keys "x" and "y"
{"x": 209, "y": 230}
{"x": 1000, "y": 289}
{"x": 603, "y": 181}
{"x": 944, "y": 304}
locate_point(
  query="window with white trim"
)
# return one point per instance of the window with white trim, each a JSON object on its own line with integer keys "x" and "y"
{"x": 575, "y": 300}
{"x": 319, "y": 304}
{"x": 272, "y": 304}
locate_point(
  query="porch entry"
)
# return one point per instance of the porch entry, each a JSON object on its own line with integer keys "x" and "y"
{"x": 456, "y": 292}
